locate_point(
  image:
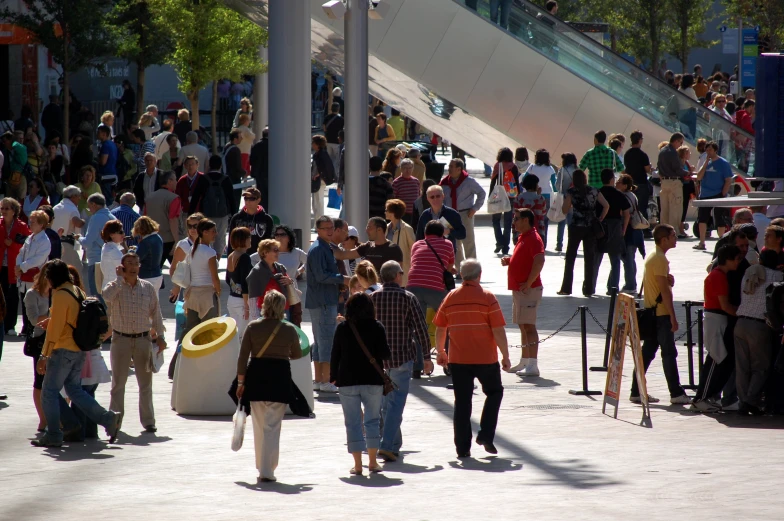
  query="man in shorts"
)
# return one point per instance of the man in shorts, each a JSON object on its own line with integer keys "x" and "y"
{"x": 525, "y": 265}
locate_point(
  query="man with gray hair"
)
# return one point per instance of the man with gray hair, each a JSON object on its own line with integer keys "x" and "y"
{"x": 399, "y": 311}
{"x": 419, "y": 166}
{"x": 92, "y": 242}
{"x": 472, "y": 318}
{"x": 126, "y": 215}
{"x": 67, "y": 222}
{"x": 463, "y": 193}
{"x": 193, "y": 148}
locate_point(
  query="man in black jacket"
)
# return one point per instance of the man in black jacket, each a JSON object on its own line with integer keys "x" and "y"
{"x": 232, "y": 161}
{"x": 379, "y": 188}
{"x": 253, "y": 217}
{"x": 259, "y": 166}
{"x": 147, "y": 180}
{"x": 218, "y": 204}
{"x": 52, "y": 117}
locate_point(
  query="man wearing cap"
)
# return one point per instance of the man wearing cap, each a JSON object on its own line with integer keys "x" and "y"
{"x": 253, "y": 217}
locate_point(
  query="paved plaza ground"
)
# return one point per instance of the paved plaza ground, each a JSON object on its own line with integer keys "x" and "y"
{"x": 559, "y": 457}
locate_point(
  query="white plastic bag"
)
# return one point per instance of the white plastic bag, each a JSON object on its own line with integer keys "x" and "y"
{"x": 498, "y": 201}
{"x": 182, "y": 273}
{"x": 239, "y": 428}
{"x": 555, "y": 213}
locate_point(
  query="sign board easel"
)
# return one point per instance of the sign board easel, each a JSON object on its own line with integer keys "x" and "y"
{"x": 625, "y": 328}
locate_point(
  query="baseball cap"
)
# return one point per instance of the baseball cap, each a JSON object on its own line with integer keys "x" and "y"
{"x": 253, "y": 192}
{"x": 352, "y": 232}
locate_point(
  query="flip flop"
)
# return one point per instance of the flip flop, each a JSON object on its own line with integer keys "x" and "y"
{"x": 354, "y": 472}
{"x": 377, "y": 468}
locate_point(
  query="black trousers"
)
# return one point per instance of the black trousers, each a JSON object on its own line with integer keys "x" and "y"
{"x": 167, "y": 252}
{"x": 643, "y": 194}
{"x": 489, "y": 375}
{"x": 714, "y": 375}
{"x": 11, "y": 295}
{"x": 576, "y": 235}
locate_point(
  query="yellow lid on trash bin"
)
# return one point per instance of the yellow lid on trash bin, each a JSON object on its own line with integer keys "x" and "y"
{"x": 208, "y": 337}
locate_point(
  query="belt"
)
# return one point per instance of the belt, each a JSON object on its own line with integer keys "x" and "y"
{"x": 671, "y": 178}
{"x": 133, "y": 335}
{"x": 753, "y": 318}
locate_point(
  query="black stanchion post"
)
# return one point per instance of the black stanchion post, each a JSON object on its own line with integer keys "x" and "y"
{"x": 584, "y": 337}
{"x": 700, "y": 339}
{"x": 689, "y": 345}
{"x": 603, "y": 367}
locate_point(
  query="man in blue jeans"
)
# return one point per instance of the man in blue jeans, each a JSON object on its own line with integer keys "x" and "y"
{"x": 399, "y": 311}
{"x": 323, "y": 284}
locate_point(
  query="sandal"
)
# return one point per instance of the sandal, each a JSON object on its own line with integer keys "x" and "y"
{"x": 377, "y": 468}
{"x": 355, "y": 472}
{"x": 564, "y": 293}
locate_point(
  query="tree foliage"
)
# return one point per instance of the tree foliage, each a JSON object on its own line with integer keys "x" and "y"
{"x": 689, "y": 20}
{"x": 211, "y": 42}
{"x": 768, "y": 14}
{"x": 140, "y": 38}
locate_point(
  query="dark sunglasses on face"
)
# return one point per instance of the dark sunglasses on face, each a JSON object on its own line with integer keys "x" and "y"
{"x": 281, "y": 234}
{"x": 250, "y": 198}
{"x": 193, "y": 226}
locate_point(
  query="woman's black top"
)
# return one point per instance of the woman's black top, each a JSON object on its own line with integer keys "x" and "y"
{"x": 238, "y": 279}
{"x": 349, "y": 365}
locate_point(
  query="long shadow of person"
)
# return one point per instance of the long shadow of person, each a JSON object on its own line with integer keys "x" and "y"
{"x": 277, "y": 487}
{"x": 488, "y": 464}
{"x": 372, "y": 481}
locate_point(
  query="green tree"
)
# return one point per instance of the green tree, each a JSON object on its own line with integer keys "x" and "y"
{"x": 72, "y": 30}
{"x": 689, "y": 19}
{"x": 768, "y": 14}
{"x": 141, "y": 39}
{"x": 211, "y": 42}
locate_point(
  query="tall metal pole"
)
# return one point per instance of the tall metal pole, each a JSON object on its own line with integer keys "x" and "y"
{"x": 261, "y": 97}
{"x": 289, "y": 115}
{"x": 356, "y": 116}
{"x": 740, "y": 57}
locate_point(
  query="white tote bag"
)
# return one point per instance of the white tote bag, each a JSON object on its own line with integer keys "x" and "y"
{"x": 555, "y": 213}
{"x": 498, "y": 202}
{"x": 239, "y": 428}
{"x": 182, "y": 273}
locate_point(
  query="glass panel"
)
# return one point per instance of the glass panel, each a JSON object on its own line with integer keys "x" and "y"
{"x": 617, "y": 77}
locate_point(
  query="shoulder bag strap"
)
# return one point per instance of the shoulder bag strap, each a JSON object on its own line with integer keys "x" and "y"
{"x": 436, "y": 254}
{"x": 373, "y": 362}
{"x": 269, "y": 340}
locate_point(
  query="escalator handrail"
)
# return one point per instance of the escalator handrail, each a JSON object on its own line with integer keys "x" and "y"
{"x": 537, "y": 13}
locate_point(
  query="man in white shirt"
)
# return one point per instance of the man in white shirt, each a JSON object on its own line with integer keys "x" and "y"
{"x": 193, "y": 148}
{"x": 161, "y": 146}
{"x": 67, "y": 221}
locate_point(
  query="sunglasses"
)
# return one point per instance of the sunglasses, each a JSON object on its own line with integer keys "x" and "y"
{"x": 193, "y": 226}
{"x": 281, "y": 234}
{"x": 250, "y": 198}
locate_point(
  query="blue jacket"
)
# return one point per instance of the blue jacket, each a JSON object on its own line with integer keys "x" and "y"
{"x": 92, "y": 242}
{"x": 458, "y": 232}
{"x": 323, "y": 277}
{"x": 150, "y": 251}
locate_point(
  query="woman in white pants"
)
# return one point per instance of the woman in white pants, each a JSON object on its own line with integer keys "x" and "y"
{"x": 266, "y": 382}
{"x": 238, "y": 267}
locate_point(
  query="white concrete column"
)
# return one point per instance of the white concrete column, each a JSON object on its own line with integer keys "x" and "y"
{"x": 289, "y": 114}
{"x": 355, "y": 97}
{"x": 261, "y": 97}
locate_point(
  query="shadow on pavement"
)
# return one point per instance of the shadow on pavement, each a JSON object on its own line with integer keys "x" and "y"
{"x": 372, "y": 481}
{"x": 574, "y": 473}
{"x": 488, "y": 464}
{"x": 409, "y": 468}
{"x": 92, "y": 449}
{"x": 277, "y": 487}
{"x": 536, "y": 381}
{"x": 143, "y": 440}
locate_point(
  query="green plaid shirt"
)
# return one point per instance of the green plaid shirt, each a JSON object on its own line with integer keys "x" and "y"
{"x": 597, "y": 159}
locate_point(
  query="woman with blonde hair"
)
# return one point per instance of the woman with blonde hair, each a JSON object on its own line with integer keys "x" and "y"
{"x": 246, "y": 108}
{"x": 88, "y": 186}
{"x": 368, "y": 278}
{"x": 183, "y": 126}
{"x": 265, "y": 381}
{"x": 248, "y": 138}
{"x": 107, "y": 120}
{"x": 267, "y": 275}
{"x": 149, "y": 249}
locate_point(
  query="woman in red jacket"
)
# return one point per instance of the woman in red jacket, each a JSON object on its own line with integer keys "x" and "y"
{"x": 12, "y": 236}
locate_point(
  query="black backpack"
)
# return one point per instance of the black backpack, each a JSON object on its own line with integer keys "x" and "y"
{"x": 214, "y": 202}
{"x": 92, "y": 322}
{"x": 774, "y": 299}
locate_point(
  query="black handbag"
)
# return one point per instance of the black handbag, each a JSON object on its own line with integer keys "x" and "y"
{"x": 646, "y": 320}
{"x": 598, "y": 229}
{"x": 449, "y": 279}
{"x": 33, "y": 346}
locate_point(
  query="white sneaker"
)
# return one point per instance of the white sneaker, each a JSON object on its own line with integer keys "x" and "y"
{"x": 532, "y": 369}
{"x": 327, "y": 387}
{"x": 637, "y": 399}
{"x": 703, "y": 406}
{"x": 523, "y": 363}
{"x": 680, "y": 400}
{"x": 316, "y": 385}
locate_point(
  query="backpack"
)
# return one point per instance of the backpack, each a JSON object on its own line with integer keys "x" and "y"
{"x": 214, "y": 202}
{"x": 92, "y": 322}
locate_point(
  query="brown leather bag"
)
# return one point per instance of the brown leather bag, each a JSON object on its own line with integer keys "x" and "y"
{"x": 389, "y": 385}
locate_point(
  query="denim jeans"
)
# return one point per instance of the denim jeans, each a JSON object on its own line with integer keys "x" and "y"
{"x": 89, "y": 427}
{"x": 630, "y": 268}
{"x": 615, "y": 269}
{"x": 502, "y": 238}
{"x": 394, "y": 403}
{"x": 504, "y": 6}
{"x": 489, "y": 375}
{"x": 561, "y": 228}
{"x": 354, "y": 398}
{"x": 324, "y": 320}
{"x": 64, "y": 369}
{"x": 665, "y": 339}
{"x": 428, "y": 298}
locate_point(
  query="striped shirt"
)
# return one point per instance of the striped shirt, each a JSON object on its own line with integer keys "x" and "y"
{"x": 407, "y": 190}
{"x": 470, "y": 313}
{"x": 426, "y": 271}
{"x": 400, "y": 313}
{"x": 128, "y": 218}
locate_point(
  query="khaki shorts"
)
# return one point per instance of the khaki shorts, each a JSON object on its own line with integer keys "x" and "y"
{"x": 524, "y": 306}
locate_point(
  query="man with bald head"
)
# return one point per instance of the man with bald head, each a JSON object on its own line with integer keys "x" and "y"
{"x": 126, "y": 214}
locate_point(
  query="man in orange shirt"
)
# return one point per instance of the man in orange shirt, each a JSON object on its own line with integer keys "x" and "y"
{"x": 475, "y": 325}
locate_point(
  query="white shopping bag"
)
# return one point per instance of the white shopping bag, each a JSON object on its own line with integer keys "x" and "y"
{"x": 239, "y": 427}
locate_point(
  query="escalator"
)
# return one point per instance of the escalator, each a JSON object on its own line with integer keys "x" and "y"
{"x": 537, "y": 82}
